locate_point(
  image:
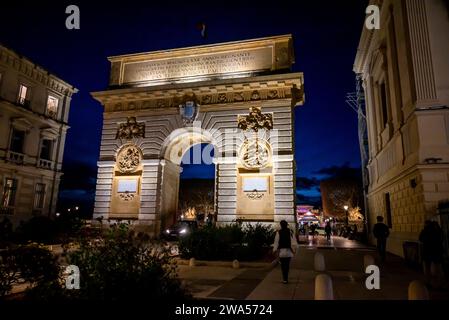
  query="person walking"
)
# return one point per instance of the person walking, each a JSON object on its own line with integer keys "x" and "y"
{"x": 313, "y": 229}
{"x": 285, "y": 245}
{"x": 431, "y": 238}
{"x": 328, "y": 231}
{"x": 427, "y": 244}
{"x": 381, "y": 232}
{"x": 306, "y": 230}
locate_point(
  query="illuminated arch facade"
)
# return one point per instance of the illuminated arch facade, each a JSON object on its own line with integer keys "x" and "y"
{"x": 238, "y": 97}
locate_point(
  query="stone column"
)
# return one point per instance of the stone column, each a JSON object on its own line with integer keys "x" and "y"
{"x": 370, "y": 117}
{"x": 104, "y": 189}
{"x": 284, "y": 188}
{"x": 226, "y": 189}
{"x": 148, "y": 194}
{"x": 424, "y": 78}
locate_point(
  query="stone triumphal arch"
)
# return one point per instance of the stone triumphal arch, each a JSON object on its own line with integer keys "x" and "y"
{"x": 237, "y": 96}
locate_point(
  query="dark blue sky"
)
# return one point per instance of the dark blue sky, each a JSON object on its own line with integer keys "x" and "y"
{"x": 326, "y": 35}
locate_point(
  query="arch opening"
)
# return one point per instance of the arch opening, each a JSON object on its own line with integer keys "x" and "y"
{"x": 188, "y": 159}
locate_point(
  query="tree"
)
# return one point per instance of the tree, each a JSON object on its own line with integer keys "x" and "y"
{"x": 198, "y": 195}
{"x": 339, "y": 192}
{"x": 355, "y": 215}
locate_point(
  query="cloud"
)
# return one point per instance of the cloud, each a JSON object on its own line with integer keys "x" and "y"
{"x": 343, "y": 171}
{"x": 305, "y": 183}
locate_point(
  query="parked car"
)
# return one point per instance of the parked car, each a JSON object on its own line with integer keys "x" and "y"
{"x": 180, "y": 229}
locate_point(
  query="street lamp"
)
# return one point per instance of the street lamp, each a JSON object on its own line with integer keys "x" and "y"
{"x": 347, "y": 217}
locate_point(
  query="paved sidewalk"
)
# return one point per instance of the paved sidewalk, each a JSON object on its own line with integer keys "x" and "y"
{"x": 344, "y": 263}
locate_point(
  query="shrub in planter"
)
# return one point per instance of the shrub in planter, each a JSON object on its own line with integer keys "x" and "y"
{"x": 212, "y": 243}
{"x": 259, "y": 239}
{"x": 227, "y": 242}
{"x": 202, "y": 244}
{"x": 69, "y": 224}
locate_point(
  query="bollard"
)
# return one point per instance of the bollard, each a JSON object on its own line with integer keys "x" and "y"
{"x": 236, "y": 264}
{"x": 368, "y": 260}
{"x": 323, "y": 287}
{"x": 319, "y": 263}
{"x": 417, "y": 291}
{"x": 192, "y": 262}
{"x": 436, "y": 270}
{"x": 436, "y": 275}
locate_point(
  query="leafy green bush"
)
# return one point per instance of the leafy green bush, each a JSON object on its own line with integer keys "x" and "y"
{"x": 31, "y": 264}
{"x": 118, "y": 266}
{"x": 234, "y": 241}
{"x": 36, "y": 264}
{"x": 8, "y": 273}
{"x": 122, "y": 266}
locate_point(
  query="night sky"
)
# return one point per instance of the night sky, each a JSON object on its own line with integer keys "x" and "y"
{"x": 326, "y": 35}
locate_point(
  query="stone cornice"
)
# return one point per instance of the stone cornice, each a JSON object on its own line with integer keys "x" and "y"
{"x": 367, "y": 39}
{"x": 199, "y": 63}
{"x": 35, "y": 72}
{"x": 273, "y": 87}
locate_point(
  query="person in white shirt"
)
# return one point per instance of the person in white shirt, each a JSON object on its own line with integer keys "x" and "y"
{"x": 285, "y": 245}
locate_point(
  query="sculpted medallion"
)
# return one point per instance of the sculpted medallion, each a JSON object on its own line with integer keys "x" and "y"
{"x": 129, "y": 158}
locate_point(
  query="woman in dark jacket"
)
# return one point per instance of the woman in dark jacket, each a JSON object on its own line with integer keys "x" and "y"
{"x": 285, "y": 243}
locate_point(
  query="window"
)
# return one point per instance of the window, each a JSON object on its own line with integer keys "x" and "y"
{"x": 9, "y": 192}
{"x": 39, "y": 196}
{"x": 17, "y": 141}
{"x": 388, "y": 209}
{"x": 52, "y": 106}
{"x": 384, "y": 105}
{"x": 46, "y": 149}
{"x": 22, "y": 99}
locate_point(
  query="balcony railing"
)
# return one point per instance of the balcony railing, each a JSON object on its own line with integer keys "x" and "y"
{"x": 24, "y": 102}
{"x": 45, "y": 164}
{"x": 15, "y": 157}
{"x": 6, "y": 211}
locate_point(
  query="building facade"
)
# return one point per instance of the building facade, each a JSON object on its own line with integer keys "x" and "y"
{"x": 238, "y": 97}
{"x": 404, "y": 67}
{"x": 34, "y": 109}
